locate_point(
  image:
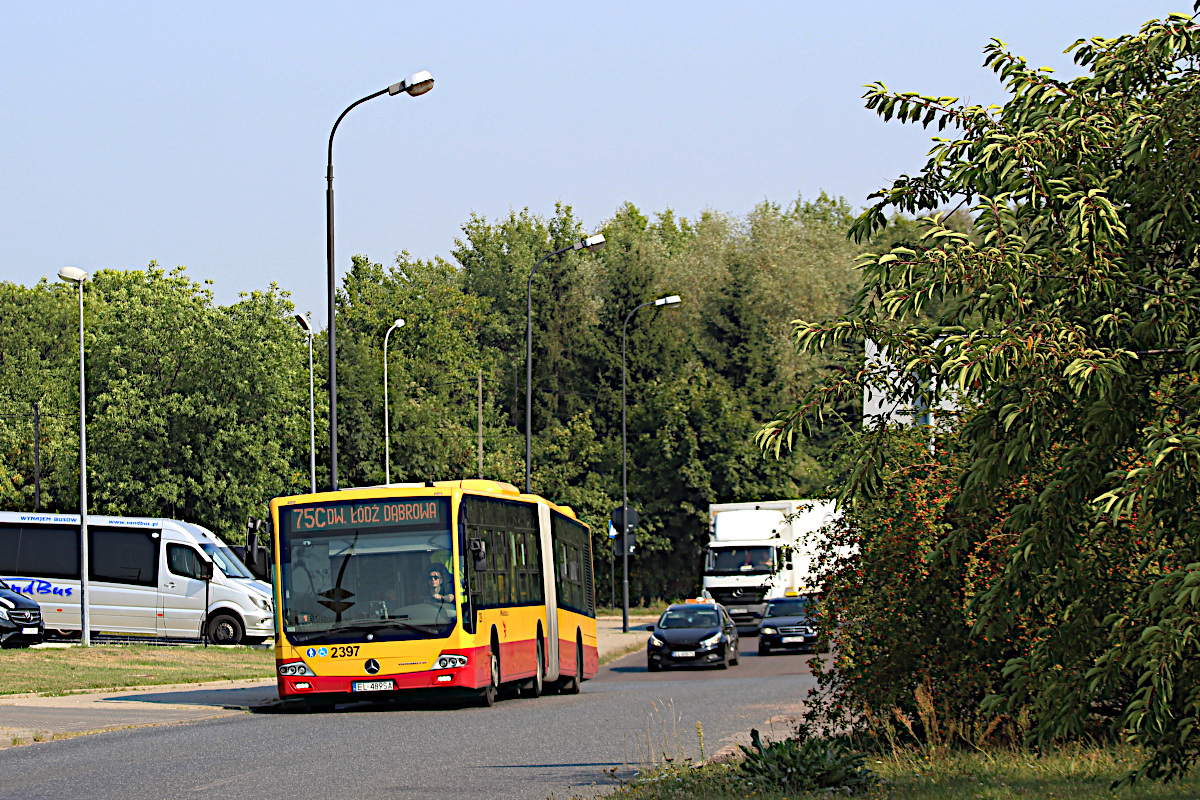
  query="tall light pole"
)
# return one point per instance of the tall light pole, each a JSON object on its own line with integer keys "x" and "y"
{"x": 670, "y": 300}
{"x": 312, "y": 419}
{"x": 591, "y": 243}
{"x": 416, "y": 85}
{"x": 78, "y": 276}
{"x": 387, "y": 440}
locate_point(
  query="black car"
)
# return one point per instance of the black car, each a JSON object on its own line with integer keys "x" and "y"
{"x": 20, "y": 619}
{"x": 692, "y": 634}
{"x": 785, "y": 626}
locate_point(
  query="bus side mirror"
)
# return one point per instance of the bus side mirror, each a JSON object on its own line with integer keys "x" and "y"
{"x": 204, "y": 570}
{"x": 478, "y": 553}
{"x": 258, "y": 552}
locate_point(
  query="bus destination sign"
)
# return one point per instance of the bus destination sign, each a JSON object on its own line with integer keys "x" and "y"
{"x": 366, "y": 514}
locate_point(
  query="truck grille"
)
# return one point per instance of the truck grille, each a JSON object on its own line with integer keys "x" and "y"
{"x": 24, "y": 617}
{"x": 801, "y": 629}
{"x": 738, "y": 596}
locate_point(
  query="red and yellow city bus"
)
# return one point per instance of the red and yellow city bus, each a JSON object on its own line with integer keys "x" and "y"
{"x": 449, "y": 587}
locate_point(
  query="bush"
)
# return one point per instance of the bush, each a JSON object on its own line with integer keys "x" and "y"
{"x": 803, "y": 764}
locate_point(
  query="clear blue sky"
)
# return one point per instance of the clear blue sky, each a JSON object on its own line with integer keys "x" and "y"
{"x": 195, "y": 134}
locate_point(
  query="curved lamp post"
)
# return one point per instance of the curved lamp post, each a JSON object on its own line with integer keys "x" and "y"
{"x": 76, "y": 275}
{"x": 670, "y": 300}
{"x": 591, "y": 243}
{"x": 312, "y": 428}
{"x": 416, "y": 85}
{"x": 387, "y": 442}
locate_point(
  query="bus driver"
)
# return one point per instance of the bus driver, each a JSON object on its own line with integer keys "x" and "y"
{"x": 441, "y": 591}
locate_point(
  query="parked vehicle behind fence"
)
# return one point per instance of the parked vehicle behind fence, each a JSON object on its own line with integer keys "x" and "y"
{"x": 144, "y": 578}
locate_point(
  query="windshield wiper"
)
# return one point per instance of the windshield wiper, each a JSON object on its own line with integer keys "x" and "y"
{"x": 368, "y": 624}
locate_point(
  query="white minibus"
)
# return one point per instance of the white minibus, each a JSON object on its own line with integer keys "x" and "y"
{"x": 144, "y": 578}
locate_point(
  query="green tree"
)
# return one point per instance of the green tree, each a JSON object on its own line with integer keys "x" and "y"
{"x": 1073, "y": 321}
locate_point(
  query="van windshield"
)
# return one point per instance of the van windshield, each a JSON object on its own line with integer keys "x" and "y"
{"x": 227, "y": 560}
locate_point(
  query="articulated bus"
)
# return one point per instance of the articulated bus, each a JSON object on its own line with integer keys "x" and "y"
{"x": 443, "y": 588}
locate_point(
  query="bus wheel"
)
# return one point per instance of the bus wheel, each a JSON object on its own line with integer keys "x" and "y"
{"x": 572, "y": 685}
{"x": 224, "y": 629}
{"x": 487, "y": 698}
{"x": 537, "y": 684}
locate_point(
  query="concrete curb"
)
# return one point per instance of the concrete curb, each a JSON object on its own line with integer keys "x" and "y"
{"x": 232, "y": 683}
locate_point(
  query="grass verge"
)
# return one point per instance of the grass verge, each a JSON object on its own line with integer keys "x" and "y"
{"x": 632, "y": 647}
{"x": 1073, "y": 773}
{"x": 64, "y": 670}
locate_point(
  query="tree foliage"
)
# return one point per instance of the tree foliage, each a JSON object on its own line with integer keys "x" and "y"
{"x": 1073, "y": 324}
{"x": 199, "y": 411}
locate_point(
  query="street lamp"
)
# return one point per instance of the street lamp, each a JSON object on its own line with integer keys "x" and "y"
{"x": 76, "y": 275}
{"x": 387, "y": 442}
{"x": 670, "y": 300}
{"x": 312, "y": 429}
{"x": 415, "y": 86}
{"x": 592, "y": 244}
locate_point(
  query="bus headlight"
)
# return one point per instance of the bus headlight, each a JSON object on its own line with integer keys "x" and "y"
{"x": 262, "y": 603}
{"x": 296, "y": 668}
{"x": 451, "y": 661}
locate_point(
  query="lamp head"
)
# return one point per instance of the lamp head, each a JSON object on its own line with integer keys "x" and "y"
{"x": 303, "y": 320}
{"x": 398, "y": 324}
{"x": 414, "y": 85}
{"x": 72, "y": 275}
{"x": 669, "y": 300}
{"x": 592, "y": 243}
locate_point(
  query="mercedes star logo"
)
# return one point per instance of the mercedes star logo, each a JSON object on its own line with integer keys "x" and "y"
{"x": 372, "y": 666}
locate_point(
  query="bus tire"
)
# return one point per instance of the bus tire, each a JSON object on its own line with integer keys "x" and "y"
{"x": 487, "y": 697}
{"x": 571, "y": 686}
{"x": 537, "y": 683}
{"x": 225, "y": 629}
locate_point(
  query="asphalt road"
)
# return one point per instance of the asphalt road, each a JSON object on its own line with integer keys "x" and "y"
{"x": 520, "y": 748}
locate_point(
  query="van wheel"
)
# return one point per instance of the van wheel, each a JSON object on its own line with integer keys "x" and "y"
{"x": 225, "y": 629}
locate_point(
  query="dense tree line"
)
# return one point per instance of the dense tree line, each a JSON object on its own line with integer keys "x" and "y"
{"x": 200, "y": 411}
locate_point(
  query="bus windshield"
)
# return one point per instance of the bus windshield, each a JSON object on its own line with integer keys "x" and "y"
{"x": 367, "y": 570}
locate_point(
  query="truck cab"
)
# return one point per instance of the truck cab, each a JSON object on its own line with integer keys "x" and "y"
{"x": 759, "y": 551}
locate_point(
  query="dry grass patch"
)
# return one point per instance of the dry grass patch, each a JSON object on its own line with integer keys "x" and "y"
{"x": 64, "y": 670}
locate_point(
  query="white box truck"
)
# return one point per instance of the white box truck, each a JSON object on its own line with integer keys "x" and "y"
{"x": 143, "y": 577}
{"x": 762, "y": 550}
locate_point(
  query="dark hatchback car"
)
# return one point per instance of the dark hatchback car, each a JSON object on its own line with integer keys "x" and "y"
{"x": 20, "y": 619}
{"x": 786, "y": 626}
{"x": 694, "y": 635}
